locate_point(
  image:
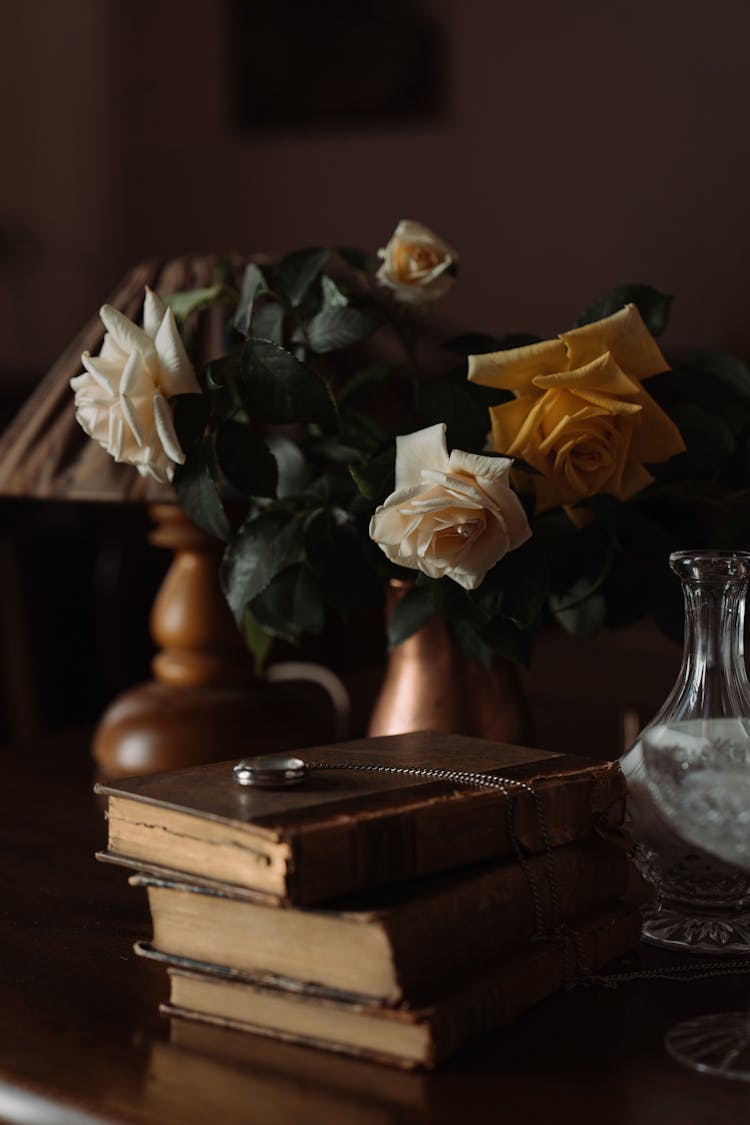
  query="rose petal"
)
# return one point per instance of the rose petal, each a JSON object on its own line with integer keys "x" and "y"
{"x": 625, "y": 335}
{"x": 132, "y": 373}
{"x": 416, "y": 264}
{"x": 516, "y": 521}
{"x": 611, "y": 405}
{"x": 489, "y": 468}
{"x": 448, "y": 523}
{"x": 128, "y": 336}
{"x": 130, "y": 414}
{"x": 179, "y": 377}
{"x": 655, "y": 436}
{"x": 166, "y": 431}
{"x": 420, "y": 450}
{"x": 80, "y": 382}
{"x": 116, "y": 436}
{"x": 101, "y": 378}
{"x": 153, "y": 313}
{"x": 487, "y": 550}
{"x": 514, "y": 370}
{"x": 601, "y": 374}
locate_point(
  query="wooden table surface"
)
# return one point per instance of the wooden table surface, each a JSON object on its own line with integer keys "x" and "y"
{"x": 81, "y": 1040}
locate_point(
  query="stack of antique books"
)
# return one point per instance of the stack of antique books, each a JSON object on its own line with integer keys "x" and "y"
{"x": 382, "y": 908}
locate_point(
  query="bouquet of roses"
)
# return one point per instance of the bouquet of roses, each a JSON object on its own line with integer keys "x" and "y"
{"x": 510, "y": 481}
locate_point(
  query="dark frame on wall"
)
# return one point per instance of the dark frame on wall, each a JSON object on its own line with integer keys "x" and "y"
{"x": 296, "y": 65}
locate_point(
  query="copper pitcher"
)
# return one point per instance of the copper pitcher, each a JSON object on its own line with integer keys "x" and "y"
{"x": 430, "y": 684}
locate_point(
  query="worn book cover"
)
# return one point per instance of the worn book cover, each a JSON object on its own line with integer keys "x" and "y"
{"x": 396, "y": 944}
{"x": 407, "y": 1037}
{"x": 344, "y": 830}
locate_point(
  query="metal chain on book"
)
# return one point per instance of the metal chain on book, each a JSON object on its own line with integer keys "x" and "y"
{"x": 577, "y": 972}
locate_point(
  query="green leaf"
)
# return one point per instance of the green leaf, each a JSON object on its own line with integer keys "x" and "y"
{"x": 281, "y": 388}
{"x": 718, "y": 383}
{"x": 257, "y": 641}
{"x": 253, "y": 283}
{"x": 197, "y": 493}
{"x": 581, "y": 561}
{"x": 332, "y": 296}
{"x": 246, "y": 460}
{"x": 268, "y": 322}
{"x": 333, "y": 451}
{"x": 520, "y": 464}
{"x": 709, "y": 439}
{"x": 342, "y": 557}
{"x": 472, "y": 643}
{"x": 193, "y": 482}
{"x": 265, "y": 545}
{"x": 517, "y": 587}
{"x": 291, "y": 606}
{"x": 452, "y": 601}
{"x": 651, "y": 304}
{"x": 297, "y": 271}
{"x": 317, "y": 540}
{"x": 194, "y": 300}
{"x": 223, "y": 371}
{"x": 410, "y": 613}
{"x": 641, "y": 580}
{"x": 582, "y": 619}
{"x": 223, "y": 271}
{"x": 293, "y": 470}
{"x": 336, "y": 327}
{"x": 723, "y": 368}
{"x": 190, "y": 418}
{"x": 376, "y": 478}
{"x": 336, "y": 324}
{"x": 364, "y": 378}
{"x": 368, "y": 489}
{"x": 451, "y": 400}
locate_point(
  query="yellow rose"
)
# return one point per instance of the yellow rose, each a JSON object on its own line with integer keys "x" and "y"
{"x": 417, "y": 265}
{"x": 450, "y": 516}
{"x": 581, "y": 415}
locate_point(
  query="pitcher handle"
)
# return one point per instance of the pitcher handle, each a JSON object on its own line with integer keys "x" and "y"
{"x": 325, "y": 679}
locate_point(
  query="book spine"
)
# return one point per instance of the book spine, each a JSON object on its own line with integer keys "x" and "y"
{"x": 499, "y": 910}
{"x": 449, "y": 832}
{"x": 497, "y": 999}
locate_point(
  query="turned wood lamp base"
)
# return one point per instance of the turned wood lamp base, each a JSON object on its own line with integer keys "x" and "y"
{"x": 205, "y": 703}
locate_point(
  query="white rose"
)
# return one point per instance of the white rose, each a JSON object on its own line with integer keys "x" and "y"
{"x": 417, "y": 265}
{"x": 122, "y": 398}
{"x": 452, "y": 516}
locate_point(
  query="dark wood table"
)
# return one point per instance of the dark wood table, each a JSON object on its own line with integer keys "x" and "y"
{"x": 81, "y": 1040}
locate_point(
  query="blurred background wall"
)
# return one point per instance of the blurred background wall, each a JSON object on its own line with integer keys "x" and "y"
{"x": 561, "y": 148}
{"x": 568, "y": 148}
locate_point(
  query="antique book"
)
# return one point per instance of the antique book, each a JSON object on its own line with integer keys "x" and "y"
{"x": 421, "y": 1037}
{"x": 395, "y": 944}
{"x": 345, "y": 830}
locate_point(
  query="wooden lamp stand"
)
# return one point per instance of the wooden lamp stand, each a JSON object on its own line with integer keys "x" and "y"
{"x": 205, "y": 702}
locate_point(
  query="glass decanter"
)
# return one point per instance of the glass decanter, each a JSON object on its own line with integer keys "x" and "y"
{"x": 703, "y": 787}
{"x": 700, "y": 903}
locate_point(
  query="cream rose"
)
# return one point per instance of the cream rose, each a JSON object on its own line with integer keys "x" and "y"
{"x": 122, "y": 398}
{"x": 450, "y": 516}
{"x": 417, "y": 265}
